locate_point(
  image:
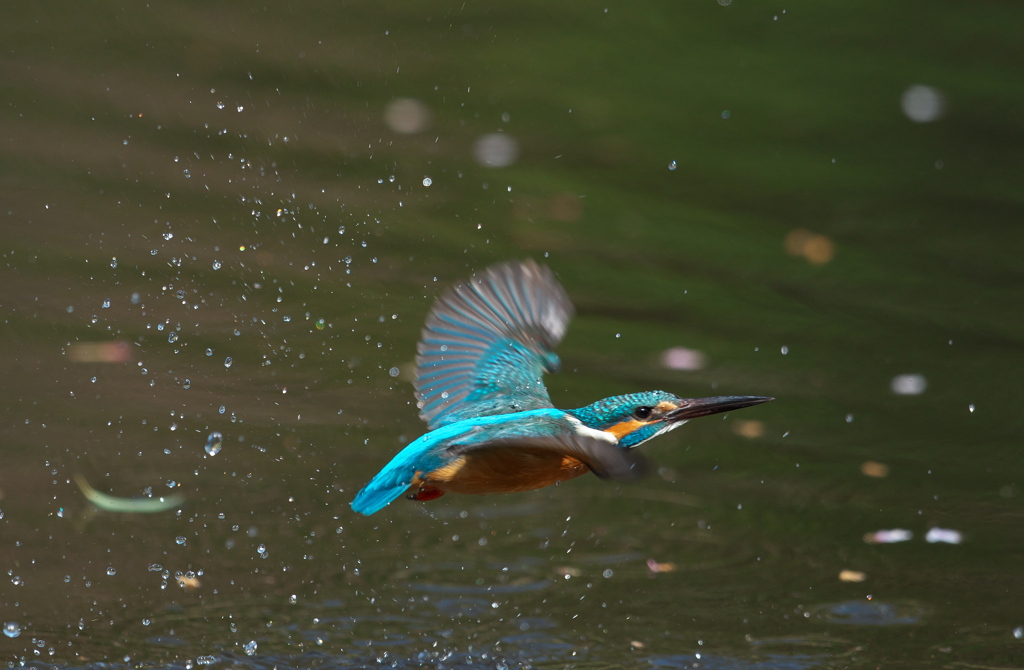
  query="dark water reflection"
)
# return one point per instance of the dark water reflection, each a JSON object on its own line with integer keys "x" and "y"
{"x": 214, "y": 221}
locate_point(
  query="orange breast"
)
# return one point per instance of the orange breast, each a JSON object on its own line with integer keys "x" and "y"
{"x": 503, "y": 470}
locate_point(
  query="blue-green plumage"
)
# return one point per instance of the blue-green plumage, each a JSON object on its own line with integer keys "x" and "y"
{"x": 493, "y": 429}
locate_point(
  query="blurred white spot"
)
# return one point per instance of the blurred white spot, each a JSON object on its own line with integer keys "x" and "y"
{"x": 407, "y": 115}
{"x": 394, "y": 372}
{"x": 427, "y": 181}
{"x": 681, "y": 358}
{"x": 888, "y": 536}
{"x": 922, "y": 104}
{"x": 912, "y": 384}
{"x": 496, "y": 150}
{"x": 672, "y": 165}
{"x": 946, "y": 535}
{"x": 725, "y": 3}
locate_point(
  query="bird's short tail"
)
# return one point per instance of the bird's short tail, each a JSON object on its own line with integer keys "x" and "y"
{"x": 376, "y": 495}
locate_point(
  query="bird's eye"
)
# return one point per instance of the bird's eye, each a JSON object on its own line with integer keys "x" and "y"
{"x": 643, "y": 412}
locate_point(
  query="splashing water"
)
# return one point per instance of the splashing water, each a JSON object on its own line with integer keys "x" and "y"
{"x": 214, "y": 443}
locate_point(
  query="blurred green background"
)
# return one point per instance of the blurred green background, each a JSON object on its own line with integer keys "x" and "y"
{"x": 234, "y": 217}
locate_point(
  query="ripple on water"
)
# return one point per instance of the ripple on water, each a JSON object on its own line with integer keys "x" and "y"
{"x": 456, "y": 607}
{"x": 868, "y": 613}
{"x": 490, "y": 511}
{"x": 712, "y": 662}
{"x": 539, "y": 647}
{"x": 468, "y": 578}
{"x": 524, "y": 586}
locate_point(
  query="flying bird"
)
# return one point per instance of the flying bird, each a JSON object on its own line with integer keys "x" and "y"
{"x": 492, "y": 427}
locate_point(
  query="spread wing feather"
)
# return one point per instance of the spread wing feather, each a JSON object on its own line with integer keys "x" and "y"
{"x": 487, "y": 343}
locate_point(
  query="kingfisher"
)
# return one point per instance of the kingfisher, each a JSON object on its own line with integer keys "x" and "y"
{"x": 482, "y": 354}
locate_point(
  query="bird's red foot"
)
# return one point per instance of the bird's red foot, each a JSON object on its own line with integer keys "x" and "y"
{"x": 425, "y": 493}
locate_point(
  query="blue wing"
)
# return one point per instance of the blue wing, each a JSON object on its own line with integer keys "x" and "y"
{"x": 488, "y": 341}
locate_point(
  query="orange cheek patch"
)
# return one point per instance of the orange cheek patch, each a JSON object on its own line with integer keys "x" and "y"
{"x": 624, "y": 428}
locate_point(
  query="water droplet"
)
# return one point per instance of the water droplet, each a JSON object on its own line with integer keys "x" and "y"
{"x": 427, "y": 181}
{"x": 784, "y": 350}
{"x": 111, "y": 571}
{"x": 228, "y": 362}
{"x": 113, "y": 262}
{"x": 168, "y": 236}
{"x": 221, "y": 409}
{"x": 173, "y": 337}
{"x": 187, "y": 384}
{"x": 180, "y": 540}
{"x": 672, "y": 165}
{"x": 217, "y": 265}
{"x": 394, "y": 372}
{"x": 12, "y": 629}
{"x": 106, "y": 303}
{"x": 250, "y": 648}
{"x": 607, "y": 574}
{"x": 214, "y": 443}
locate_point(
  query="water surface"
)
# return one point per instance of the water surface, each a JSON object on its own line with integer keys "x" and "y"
{"x": 234, "y": 220}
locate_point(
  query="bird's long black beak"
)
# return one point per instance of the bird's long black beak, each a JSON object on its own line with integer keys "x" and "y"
{"x": 691, "y": 408}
